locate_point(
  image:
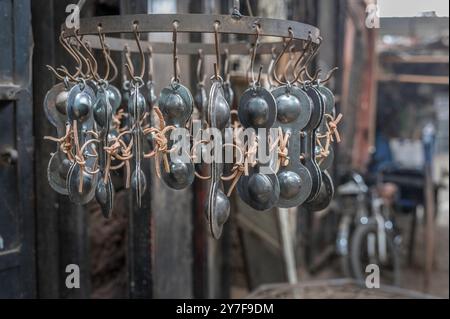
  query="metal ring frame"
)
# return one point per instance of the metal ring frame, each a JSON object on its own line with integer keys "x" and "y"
{"x": 192, "y": 23}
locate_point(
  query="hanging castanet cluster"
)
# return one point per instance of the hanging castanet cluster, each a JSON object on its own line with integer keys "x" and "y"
{"x": 101, "y": 130}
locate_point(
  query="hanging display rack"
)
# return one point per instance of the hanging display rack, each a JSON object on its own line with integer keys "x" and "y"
{"x": 101, "y": 130}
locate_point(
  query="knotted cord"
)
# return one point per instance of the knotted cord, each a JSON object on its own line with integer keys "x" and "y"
{"x": 161, "y": 147}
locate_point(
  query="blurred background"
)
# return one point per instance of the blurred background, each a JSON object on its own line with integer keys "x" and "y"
{"x": 390, "y": 171}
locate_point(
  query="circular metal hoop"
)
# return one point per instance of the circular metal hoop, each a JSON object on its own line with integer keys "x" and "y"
{"x": 196, "y": 23}
{"x": 191, "y": 48}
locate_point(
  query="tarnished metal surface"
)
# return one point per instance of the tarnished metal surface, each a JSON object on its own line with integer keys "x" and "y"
{"x": 202, "y": 23}
{"x": 116, "y": 44}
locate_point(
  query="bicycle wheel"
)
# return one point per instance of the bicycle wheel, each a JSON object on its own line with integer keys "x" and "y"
{"x": 364, "y": 252}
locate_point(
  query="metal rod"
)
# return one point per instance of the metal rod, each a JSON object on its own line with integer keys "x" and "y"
{"x": 117, "y": 44}
{"x": 192, "y": 23}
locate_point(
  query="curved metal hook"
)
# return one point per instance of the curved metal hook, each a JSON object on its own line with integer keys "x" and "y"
{"x": 226, "y": 65}
{"x": 72, "y": 53}
{"x": 315, "y": 76}
{"x": 306, "y": 48}
{"x": 75, "y": 49}
{"x": 104, "y": 51}
{"x": 200, "y": 68}
{"x": 247, "y": 72}
{"x": 308, "y": 59}
{"x": 270, "y": 68}
{"x": 175, "y": 51}
{"x": 62, "y": 72}
{"x": 287, "y": 45}
{"x": 58, "y": 76}
{"x": 328, "y": 76}
{"x": 216, "y": 45}
{"x": 113, "y": 64}
{"x": 129, "y": 64}
{"x": 252, "y": 61}
{"x": 93, "y": 65}
{"x": 289, "y": 63}
{"x": 150, "y": 62}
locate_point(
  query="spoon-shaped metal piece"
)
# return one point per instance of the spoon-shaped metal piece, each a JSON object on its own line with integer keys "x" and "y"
{"x": 180, "y": 174}
{"x": 218, "y": 210}
{"x": 228, "y": 93}
{"x": 73, "y": 181}
{"x": 151, "y": 96}
{"x": 257, "y": 108}
{"x": 114, "y": 97}
{"x": 104, "y": 194}
{"x": 218, "y": 114}
{"x": 176, "y": 104}
{"x": 55, "y": 104}
{"x": 136, "y": 111}
{"x": 138, "y": 184}
{"x": 201, "y": 100}
{"x": 259, "y": 191}
{"x": 102, "y": 110}
{"x": 325, "y": 195}
{"x": 57, "y": 171}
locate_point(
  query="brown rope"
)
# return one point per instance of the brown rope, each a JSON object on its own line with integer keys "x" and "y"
{"x": 329, "y": 136}
{"x": 161, "y": 147}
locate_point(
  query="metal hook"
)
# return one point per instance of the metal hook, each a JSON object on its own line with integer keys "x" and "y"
{"x": 129, "y": 64}
{"x": 307, "y": 61}
{"x": 69, "y": 49}
{"x": 329, "y": 75}
{"x": 58, "y": 76}
{"x": 270, "y": 68}
{"x": 247, "y": 73}
{"x": 287, "y": 45}
{"x": 63, "y": 72}
{"x": 76, "y": 50}
{"x": 93, "y": 66}
{"x": 200, "y": 68}
{"x": 227, "y": 66}
{"x": 175, "y": 51}
{"x": 104, "y": 51}
{"x": 289, "y": 63}
{"x": 252, "y": 61}
{"x": 137, "y": 36}
{"x": 113, "y": 64}
{"x": 150, "y": 63}
{"x": 300, "y": 59}
{"x": 216, "y": 45}
{"x": 314, "y": 77}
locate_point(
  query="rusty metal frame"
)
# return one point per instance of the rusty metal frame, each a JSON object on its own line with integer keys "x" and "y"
{"x": 193, "y": 23}
{"x": 117, "y": 44}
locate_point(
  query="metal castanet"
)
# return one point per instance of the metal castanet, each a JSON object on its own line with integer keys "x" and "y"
{"x": 57, "y": 172}
{"x": 308, "y": 140}
{"x": 218, "y": 205}
{"x": 103, "y": 110}
{"x": 325, "y": 195}
{"x": 294, "y": 108}
{"x": 136, "y": 108}
{"x": 257, "y": 109}
{"x": 176, "y": 104}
